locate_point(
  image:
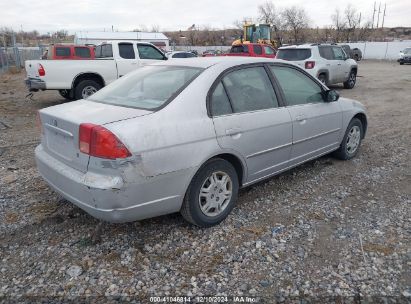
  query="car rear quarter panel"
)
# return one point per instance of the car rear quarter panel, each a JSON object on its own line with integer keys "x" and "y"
{"x": 179, "y": 136}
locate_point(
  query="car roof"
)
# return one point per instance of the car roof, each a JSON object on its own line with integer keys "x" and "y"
{"x": 206, "y": 62}
{"x": 306, "y": 46}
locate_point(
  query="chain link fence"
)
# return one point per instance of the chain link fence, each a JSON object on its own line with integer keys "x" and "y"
{"x": 14, "y": 57}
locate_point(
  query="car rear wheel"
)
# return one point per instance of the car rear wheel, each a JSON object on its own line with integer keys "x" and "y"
{"x": 352, "y": 78}
{"x": 86, "y": 88}
{"x": 212, "y": 194}
{"x": 352, "y": 140}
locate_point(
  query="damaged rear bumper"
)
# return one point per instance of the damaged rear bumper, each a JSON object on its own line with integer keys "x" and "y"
{"x": 108, "y": 197}
{"x": 34, "y": 84}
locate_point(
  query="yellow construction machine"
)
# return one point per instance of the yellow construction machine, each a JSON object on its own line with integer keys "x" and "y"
{"x": 256, "y": 33}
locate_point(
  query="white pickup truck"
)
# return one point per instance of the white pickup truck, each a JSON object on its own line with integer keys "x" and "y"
{"x": 77, "y": 79}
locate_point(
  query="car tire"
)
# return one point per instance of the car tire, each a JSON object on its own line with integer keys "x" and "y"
{"x": 86, "y": 88}
{"x": 352, "y": 140}
{"x": 323, "y": 78}
{"x": 212, "y": 194}
{"x": 352, "y": 79}
{"x": 401, "y": 63}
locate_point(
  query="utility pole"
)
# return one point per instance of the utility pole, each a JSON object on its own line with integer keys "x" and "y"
{"x": 383, "y": 16}
{"x": 379, "y": 12}
{"x": 373, "y": 16}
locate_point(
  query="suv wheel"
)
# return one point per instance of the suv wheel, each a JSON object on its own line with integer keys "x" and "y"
{"x": 212, "y": 194}
{"x": 323, "y": 78}
{"x": 352, "y": 78}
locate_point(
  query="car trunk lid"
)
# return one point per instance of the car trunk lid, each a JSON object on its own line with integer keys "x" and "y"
{"x": 61, "y": 124}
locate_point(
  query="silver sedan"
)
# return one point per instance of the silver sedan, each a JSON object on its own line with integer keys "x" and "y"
{"x": 184, "y": 136}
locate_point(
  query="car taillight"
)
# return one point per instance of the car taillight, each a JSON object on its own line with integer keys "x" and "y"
{"x": 309, "y": 64}
{"x": 97, "y": 141}
{"x": 41, "y": 70}
{"x": 39, "y": 124}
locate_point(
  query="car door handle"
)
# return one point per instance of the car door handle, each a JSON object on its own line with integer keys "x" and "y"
{"x": 233, "y": 131}
{"x": 300, "y": 117}
{"x": 339, "y": 64}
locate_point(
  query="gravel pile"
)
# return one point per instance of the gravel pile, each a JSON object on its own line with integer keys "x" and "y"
{"x": 327, "y": 231}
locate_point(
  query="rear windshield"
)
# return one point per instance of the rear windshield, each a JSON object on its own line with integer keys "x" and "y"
{"x": 239, "y": 49}
{"x": 293, "y": 54}
{"x": 148, "y": 87}
{"x": 407, "y": 51}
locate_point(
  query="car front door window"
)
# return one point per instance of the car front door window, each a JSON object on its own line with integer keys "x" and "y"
{"x": 298, "y": 88}
{"x": 149, "y": 52}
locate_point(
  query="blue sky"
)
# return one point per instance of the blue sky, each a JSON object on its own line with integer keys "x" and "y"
{"x": 74, "y": 15}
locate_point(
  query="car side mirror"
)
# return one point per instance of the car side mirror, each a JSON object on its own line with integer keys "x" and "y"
{"x": 165, "y": 57}
{"x": 331, "y": 95}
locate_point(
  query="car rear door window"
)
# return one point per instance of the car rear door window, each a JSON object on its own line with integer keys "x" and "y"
{"x": 298, "y": 88}
{"x": 63, "y": 51}
{"x": 250, "y": 89}
{"x": 257, "y": 49}
{"x": 294, "y": 54}
{"x": 126, "y": 50}
{"x": 149, "y": 52}
{"x": 220, "y": 104}
{"x": 338, "y": 53}
{"x": 326, "y": 52}
{"x": 82, "y": 52}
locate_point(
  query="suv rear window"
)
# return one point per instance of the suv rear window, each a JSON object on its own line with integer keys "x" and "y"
{"x": 148, "y": 87}
{"x": 293, "y": 54}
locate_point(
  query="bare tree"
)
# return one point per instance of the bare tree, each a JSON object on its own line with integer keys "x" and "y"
{"x": 352, "y": 19}
{"x": 295, "y": 20}
{"x": 339, "y": 24}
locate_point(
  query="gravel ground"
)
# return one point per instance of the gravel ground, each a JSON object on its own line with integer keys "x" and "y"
{"x": 329, "y": 230}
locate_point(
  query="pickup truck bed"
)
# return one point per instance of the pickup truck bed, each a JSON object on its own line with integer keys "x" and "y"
{"x": 77, "y": 79}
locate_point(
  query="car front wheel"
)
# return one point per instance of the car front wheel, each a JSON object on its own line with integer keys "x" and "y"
{"x": 352, "y": 140}
{"x": 212, "y": 194}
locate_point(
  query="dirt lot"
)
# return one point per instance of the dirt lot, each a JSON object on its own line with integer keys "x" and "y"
{"x": 328, "y": 230}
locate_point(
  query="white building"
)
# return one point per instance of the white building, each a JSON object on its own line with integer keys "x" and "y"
{"x": 158, "y": 39}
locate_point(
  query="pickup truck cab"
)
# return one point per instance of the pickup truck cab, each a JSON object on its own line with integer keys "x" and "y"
{"x": 252, "y": 50}
{"x": 78, "y": 79}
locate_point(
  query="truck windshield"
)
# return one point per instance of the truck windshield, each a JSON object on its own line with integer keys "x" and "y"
{"x": 293, "y": 54}
{"x": 148, "y": 87}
